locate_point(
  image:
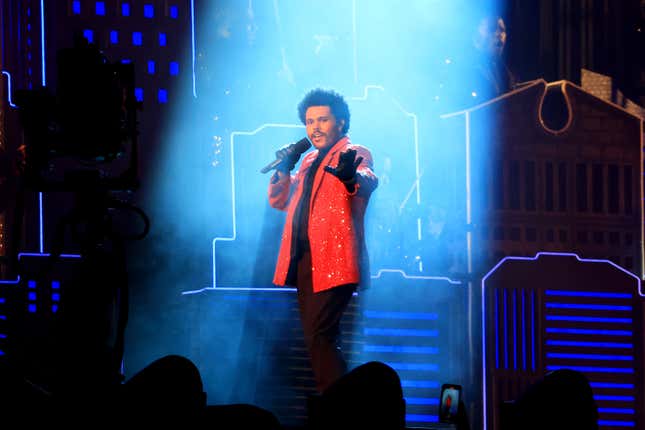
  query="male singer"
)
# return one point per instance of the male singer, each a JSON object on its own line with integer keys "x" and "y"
{"x": 323, "y": 251}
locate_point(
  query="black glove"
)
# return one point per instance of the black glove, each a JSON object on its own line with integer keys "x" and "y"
{"x": 346, "y": 168}
{"x": 289, "y": 157}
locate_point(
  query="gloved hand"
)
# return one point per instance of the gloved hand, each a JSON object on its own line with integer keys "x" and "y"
{"x": 289, "y": 157}
{"x": 346, "y": 168}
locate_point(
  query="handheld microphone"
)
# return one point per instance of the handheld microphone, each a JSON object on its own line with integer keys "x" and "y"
{"x": 295, "y": 148}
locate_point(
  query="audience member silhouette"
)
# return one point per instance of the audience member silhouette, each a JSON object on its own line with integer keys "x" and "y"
{"x": 369, "y": 396}
{"x": 562, "y": 400}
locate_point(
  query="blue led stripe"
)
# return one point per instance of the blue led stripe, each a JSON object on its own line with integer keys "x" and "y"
{"x": 611, "y": 385}
{"x": 554, "y": 305}
{"x": 496, "y": 317}
{"x": 523, "y": 331}
{"x": 414, "y": 366}
{"x": 588, "y": 344}
{"x": 399, "y": 349}
{"x": 626, "y": 411}
{"x": 593, "y": 369}
{"x": 514, "y": 300}
{"x": 615, "y": 398}
{"x": 419, "y": 383}
{"x": 421, "y": 401}
{"x": 422, "y": 418}
{"x": 611, "y": 423}
{"x": 589, "y": 319}
{"x": 505, "y": 346}
{"x": 589, "y": 331}
{"x": 588, "y": 294}
{"x": 401, "y": 315}
{"x": 533, "y": 330}
{"x": 590, "y": 356}
{"x": 368, "y": 331}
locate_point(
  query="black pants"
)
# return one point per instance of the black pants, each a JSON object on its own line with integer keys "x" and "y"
{"x": 320, "y": 314}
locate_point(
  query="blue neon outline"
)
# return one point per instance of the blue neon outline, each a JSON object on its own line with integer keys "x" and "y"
{"x": 192, "y": 33}
{"x": 626, "y": 411}
{"x": 424, "y": 367}
{"x": 42, "y": 41}
{"x": 33, "y": 254}
{"x": 9, "y": 98}
{"x": 44, "y": 82}
{"x": 421, "y": 418}
{"x": 534, "y": 258}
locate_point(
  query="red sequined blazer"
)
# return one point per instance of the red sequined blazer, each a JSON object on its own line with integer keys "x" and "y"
{"x": 336, "y": 232}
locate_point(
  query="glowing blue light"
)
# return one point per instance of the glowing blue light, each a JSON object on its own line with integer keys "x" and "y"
{"x": 422, "y": 418}
{"x": 611, "y": 423}
{"x": 174, "y": 68}
{"x": 551, "y": 342}
{"x": 125, "y": 9}
{"x": 399, "y": 332}
{"x": 55, "y": 297}
{"x": 162, "y": 39}
{"x": 4, "y": 72}
{"x": 174, "y": 12}
{"x": 31, "y": 295}
{"x": 611, "y": 385}
{"x": 626, "y": 411}
{"x": 589, "y": 331}
{"x": 428, "y": 367}
{"x": 588, "y": 294}
{"x": 401, "y": 349}
{"x": 414, "y": 383}
{"x": 589, "y": 319}
{"x": 114, "y": 37}
{"x": 151, "y": 67}
{"x": 553, "y": 305}
{"x": 31, "y": 284}
{"x": 162, "y": 95}
{"x": 148, "y": 11}
{"x": 593, "y": 369}
{"x": 126, "y": 61}
{"x": 614, "y": 398}
{"x": 31, "y": 307}
{"x": 76, "y": 7}
{"x": 137, "y": 38}
{"x": 100, "y": 8}
{"x": 56, "y": 285}
{"x": 138, "y": 94}
{"x": 421, "y": 401}
{"x": 590, "y": 356}
{"x": 89, "y": 35}
{"x": 54, "y": 308}
{"x": 401, "y": 315}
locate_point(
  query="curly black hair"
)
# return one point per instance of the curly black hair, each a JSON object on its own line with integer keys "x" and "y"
{"x": 321, "y": 97}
